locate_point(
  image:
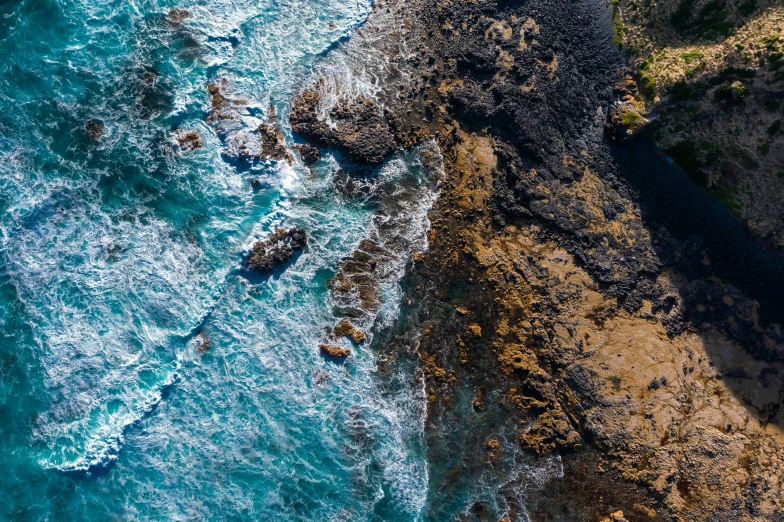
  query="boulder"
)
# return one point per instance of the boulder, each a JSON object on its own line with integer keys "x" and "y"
{"x": 189, "y": 140}
{"x": 335, "y": 352}
{"x": 95, "y": 130}
{"x": 275, "y": 251}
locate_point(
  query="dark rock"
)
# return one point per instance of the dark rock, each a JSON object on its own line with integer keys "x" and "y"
{"x": 189, "y": 141}
{"x": 309, "y": 153}
{"x": 275, "y": 251}
{"x": 273, "y": 146}
{"x": 95, "y": 130}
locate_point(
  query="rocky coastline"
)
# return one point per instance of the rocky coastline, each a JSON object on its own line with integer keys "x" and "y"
{"x": 581, "y": 326}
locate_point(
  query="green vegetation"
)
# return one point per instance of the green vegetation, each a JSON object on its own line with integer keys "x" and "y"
{"x": 770, "y": 41}
{"x": 772, "y": 105}
{"x": 685, "y": 91}
{"x": 763, "y": 148}
{"x": 748, "y": 7}
{"x": 692, "y": 56}
{"x": 632, "y": 120}
{"x": 618, "y": 31}
{"x": 695, "y": 159}
{"x": 710, "y": 22}
{"x": 774, "y": 128}
{"x": 646, "y": 81}
{"x": 732, "y": 93}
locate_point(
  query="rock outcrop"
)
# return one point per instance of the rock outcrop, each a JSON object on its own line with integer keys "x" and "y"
{"x": 358, "y": 127}
{"x": 346, "y": 329}
{"x": 334, "y": 352}
{"x": 712, "y": 74}
{"x": 276, "y": 251}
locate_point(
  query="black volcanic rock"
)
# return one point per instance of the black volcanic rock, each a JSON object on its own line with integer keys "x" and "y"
{"x": 277, "y": 250}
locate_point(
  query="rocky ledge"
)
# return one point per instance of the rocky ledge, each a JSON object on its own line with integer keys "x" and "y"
{"x": 276, "y": 251}
{"x": 357, "y": 126}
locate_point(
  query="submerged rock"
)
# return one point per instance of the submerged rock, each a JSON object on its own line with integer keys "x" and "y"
{"x": 275, "y": 251}
{"x": 346, "y": 329}
{"x": 95, "y": 130}
{"x": 335, "y": 352}
{"x": 176, "y": 16}
{"x": 201, "y": 343}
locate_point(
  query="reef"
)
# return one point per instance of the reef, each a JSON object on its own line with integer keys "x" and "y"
{"x": 276, "y": 251}
{"x": 559, "y": 290}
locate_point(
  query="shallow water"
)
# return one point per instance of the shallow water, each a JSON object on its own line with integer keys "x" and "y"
{"x": 116, "y": 253}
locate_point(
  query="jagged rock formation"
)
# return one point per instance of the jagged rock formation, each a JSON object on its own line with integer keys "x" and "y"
{"x": 277, "y": 250}
{"x": 346, "y": 329}
{"x": 335, "y": 352}
{"x": 359, "y": 129}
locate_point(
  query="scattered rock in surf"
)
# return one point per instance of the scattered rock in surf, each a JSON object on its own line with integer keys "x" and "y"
{"x": 95, "y": 130}
{"x": 272, "y": 145}
{"x": 493, "y": 447}
{"x": 177, "y": 16}
{"x": 335, "y": 352}
{"x": 189, "y": 140}
{"x": 275, "y": 251}
{"x": 418, "y": 257}
{"x": 346, "y": 329}
{"x": 480, "y": 399}
{"x": 319, "y": 378}
{"x": 201, "y": 343}
{"x": 308, "y": 153}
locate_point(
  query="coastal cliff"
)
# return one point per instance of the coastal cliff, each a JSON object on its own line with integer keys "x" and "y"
{"x": 580, "y": 300}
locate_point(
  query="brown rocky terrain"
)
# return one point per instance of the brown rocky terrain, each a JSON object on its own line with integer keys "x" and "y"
{"x": 563, "y": 310}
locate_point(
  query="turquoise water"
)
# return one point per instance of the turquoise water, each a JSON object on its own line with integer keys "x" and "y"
{"x": 115, "y": 253}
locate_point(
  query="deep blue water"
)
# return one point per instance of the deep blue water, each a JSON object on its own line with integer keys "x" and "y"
{"x": 114, "y": 253}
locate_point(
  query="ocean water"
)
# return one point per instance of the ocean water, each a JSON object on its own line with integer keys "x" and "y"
{"x": 115, "y": 254}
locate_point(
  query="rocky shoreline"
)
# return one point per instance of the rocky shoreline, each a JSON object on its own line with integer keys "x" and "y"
{"x": 550, "y": 295}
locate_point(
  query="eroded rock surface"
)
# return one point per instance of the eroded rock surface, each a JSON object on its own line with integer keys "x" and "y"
{"x": 358, "y": 127}
{"x": 346, "y": 329}
{"x": 335, "y": 352}
{"x": 276, "y": 251}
